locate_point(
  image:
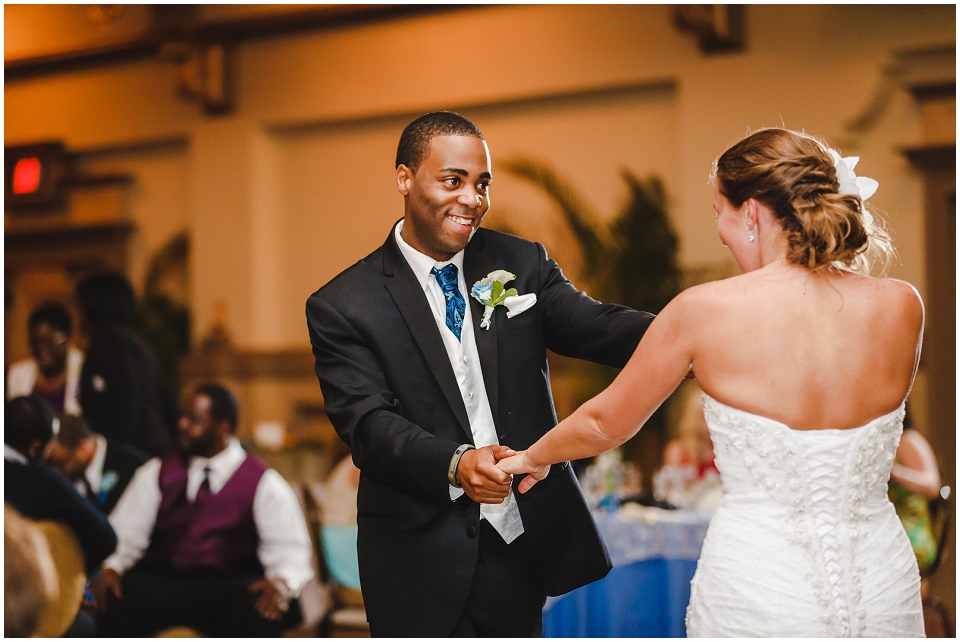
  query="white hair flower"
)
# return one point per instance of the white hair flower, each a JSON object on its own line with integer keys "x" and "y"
{"x": 854, "y": 185}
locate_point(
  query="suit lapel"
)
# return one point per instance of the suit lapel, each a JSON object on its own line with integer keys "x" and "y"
{"x": 415, "y": 309}
{"x": 476, "y": 265}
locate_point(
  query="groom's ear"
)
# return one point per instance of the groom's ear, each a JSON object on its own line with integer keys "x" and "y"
{"x": 404, "y": 179}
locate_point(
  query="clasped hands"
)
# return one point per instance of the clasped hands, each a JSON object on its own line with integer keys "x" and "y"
{"x": 487, "y": 473}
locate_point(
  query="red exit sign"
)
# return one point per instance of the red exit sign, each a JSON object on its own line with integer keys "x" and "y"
{"x": 26, "y": 175}
{"x": 33, "y": 175}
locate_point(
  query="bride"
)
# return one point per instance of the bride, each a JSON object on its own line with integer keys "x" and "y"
{"x": 805, "y": 365}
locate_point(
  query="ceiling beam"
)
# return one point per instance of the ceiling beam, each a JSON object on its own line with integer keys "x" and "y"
{"x": 188, "y": 29}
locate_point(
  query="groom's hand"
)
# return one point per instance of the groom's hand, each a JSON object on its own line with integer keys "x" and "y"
{"x": 479, "y": 476}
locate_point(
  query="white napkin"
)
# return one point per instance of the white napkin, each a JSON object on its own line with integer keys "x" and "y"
{"x": 519, "y": 304}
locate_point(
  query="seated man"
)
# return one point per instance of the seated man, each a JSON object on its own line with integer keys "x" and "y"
{"x": 99, "y": 468}
{"x": 210, "y": 537}
{"x": 38, "y": 492}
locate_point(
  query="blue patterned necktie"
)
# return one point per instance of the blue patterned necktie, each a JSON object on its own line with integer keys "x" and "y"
{"x": 456, "y": 306}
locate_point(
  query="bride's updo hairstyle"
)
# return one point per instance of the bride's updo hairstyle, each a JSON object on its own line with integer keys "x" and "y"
{"x": 794, "y": 175}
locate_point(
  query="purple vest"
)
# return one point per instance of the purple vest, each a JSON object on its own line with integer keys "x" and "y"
{"x": 216, "y": 534}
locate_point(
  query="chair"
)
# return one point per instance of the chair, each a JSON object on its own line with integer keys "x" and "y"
{"x": 69, "y": 562}
{"x": 347, "y": 616}
{"x": 340, "y": 554}
{"x": 941, "y": 512}
{"x": 315, "y": 596}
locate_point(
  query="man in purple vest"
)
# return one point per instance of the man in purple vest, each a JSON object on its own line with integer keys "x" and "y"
{"x": 209, "y": 536}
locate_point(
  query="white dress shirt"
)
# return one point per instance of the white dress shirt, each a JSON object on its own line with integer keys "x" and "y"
{"x": 12, "y": 454}
{"x": 465, "y": 360}
{"x": 284, "y": 550}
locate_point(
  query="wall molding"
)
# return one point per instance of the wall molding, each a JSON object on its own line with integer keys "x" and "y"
{"x": 248, "y": 364}
{"x": 930, "y": 67}
{"x": 650, "y": 87}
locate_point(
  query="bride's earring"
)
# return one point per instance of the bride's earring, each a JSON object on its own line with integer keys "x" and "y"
{"x": 750, "y": 237}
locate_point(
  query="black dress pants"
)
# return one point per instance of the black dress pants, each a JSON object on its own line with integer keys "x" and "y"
{"x": 216, "y": 605}
{"x": 504, "y": 599}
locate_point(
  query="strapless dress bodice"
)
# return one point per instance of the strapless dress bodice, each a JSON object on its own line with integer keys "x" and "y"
{"x": 805, "y": 541}
{"x": 764, "y": 462}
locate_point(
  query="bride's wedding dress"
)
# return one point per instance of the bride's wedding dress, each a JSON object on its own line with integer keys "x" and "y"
{"x": 804, "y": 541}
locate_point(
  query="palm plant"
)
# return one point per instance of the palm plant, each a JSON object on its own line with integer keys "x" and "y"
{"x": 164, "y": 318}
{"x": 632, "y": 260}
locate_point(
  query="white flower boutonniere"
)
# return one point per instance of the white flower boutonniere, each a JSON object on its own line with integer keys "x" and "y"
{"x": 490, "y": 292}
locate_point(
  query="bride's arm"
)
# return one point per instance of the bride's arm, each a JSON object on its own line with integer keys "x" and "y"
{"x": 657, "y": 367}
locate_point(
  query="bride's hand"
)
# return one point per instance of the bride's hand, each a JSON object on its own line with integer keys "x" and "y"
{"x": 518, "y": 464}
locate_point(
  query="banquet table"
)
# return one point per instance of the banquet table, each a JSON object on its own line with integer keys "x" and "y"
{"x": 654, "y": 554}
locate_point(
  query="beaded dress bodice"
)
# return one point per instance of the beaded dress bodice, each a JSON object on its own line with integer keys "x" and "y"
{"x": 810, "y": 502}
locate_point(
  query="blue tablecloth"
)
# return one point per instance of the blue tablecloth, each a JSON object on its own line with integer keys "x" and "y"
{"x": 646, "y": 593}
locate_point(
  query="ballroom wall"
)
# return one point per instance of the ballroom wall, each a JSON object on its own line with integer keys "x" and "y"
{"x": 296, "y": 181}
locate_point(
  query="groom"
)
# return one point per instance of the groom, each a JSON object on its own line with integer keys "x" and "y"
{"x": 428, "y": 399}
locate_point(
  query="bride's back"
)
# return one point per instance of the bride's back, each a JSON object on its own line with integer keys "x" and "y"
{"x": 800, "y": 337}
{"x": 804, "y": 542}
{"x": 812, "y": 351}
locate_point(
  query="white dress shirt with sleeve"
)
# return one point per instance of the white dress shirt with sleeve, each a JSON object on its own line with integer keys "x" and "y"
{"x": 284, "y": 549}
{"x": 465, "y": 360}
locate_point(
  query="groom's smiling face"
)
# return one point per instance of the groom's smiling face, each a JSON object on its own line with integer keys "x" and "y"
{"x": 447, "y": 196}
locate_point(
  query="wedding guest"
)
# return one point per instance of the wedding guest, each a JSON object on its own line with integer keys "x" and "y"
{"x": 99, "y": 468}
{"x": 340, "y": 504}
{"x": 122, "y": 390}
{"x": 339, "y": 529}
{"x": 210, "y": 537}
{"x": 38, "y": 492}
{"x": 53, "y": 373}
{"x": 29, "y": 577}
{"x": 914, "y": 481}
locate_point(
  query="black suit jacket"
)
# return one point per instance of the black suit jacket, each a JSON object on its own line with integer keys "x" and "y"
{"x": 40, "y": 493}
{"x": 119, "y": 464}
{"x": 123, "y": 393}
{"x": 391, "y": 393}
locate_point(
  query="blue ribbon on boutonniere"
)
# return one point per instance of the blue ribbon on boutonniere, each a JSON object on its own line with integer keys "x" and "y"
{"x": 107, "y": 483}
{"x": 491, "y": 292}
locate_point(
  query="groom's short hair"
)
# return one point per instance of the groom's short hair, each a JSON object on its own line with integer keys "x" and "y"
{"x": 415, "y": 139}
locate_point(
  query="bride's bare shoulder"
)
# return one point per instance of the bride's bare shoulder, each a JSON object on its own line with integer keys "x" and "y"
{"x": 708, "y": 296}
{"x": 906, "y": 293}
{"x": 892, "y": 292}
{"x": 900, "y": 288}
{"x": 720, "y": 290}
{"x": 903, "y": 297}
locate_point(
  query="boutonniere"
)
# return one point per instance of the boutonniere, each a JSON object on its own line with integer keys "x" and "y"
{"x": 107, "y": 483}
{"x": 491, "y": 292}
{"x": 109, "y": 480}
